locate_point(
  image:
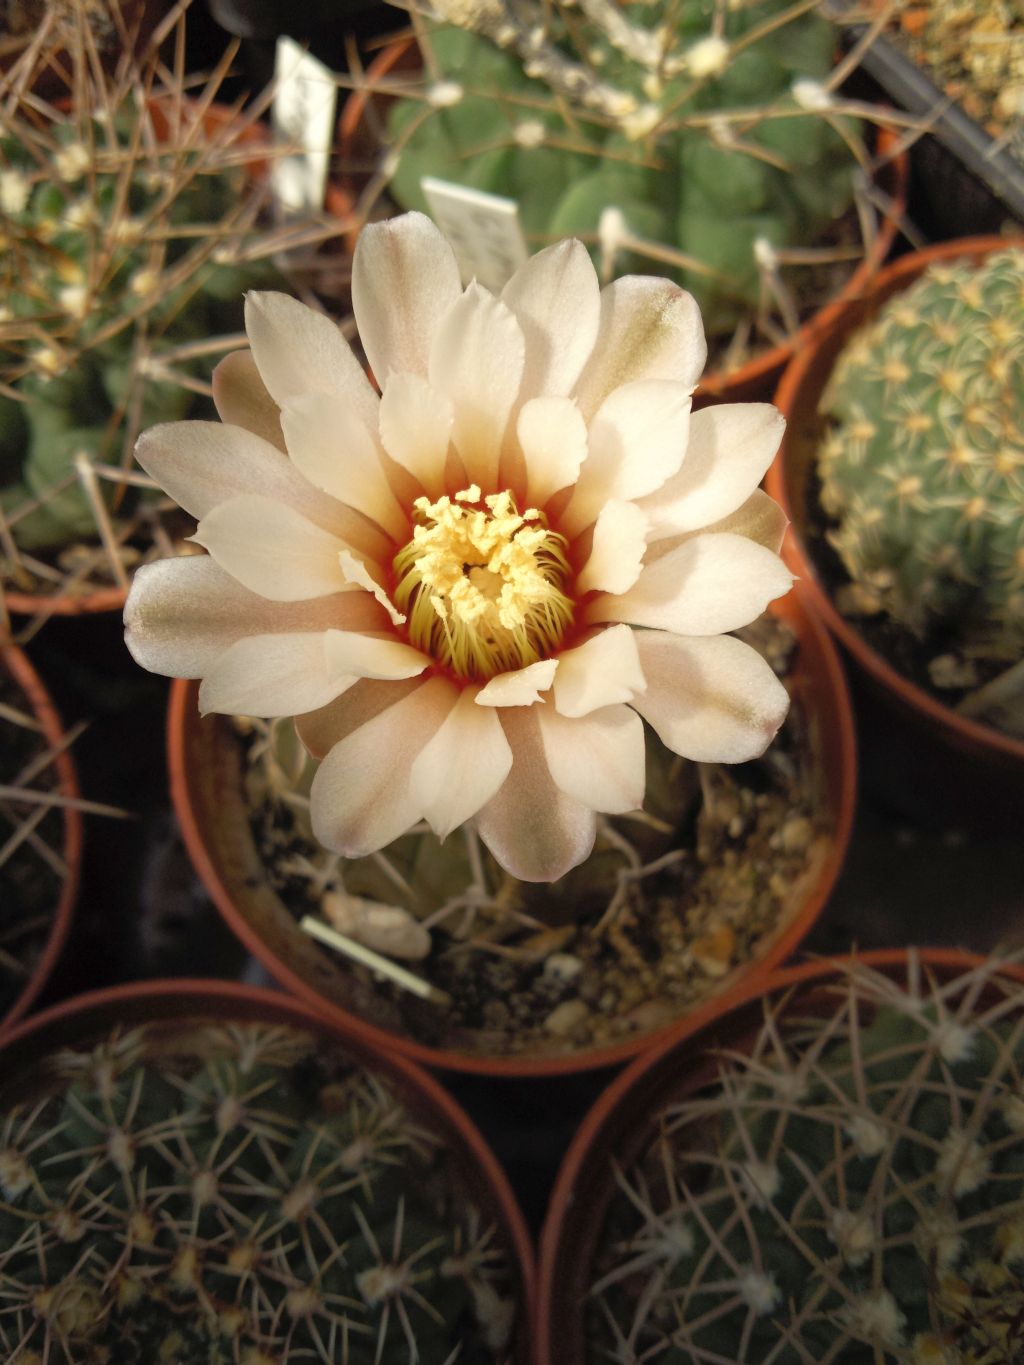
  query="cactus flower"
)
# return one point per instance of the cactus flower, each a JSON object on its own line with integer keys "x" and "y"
{"x": 471, "y": 580}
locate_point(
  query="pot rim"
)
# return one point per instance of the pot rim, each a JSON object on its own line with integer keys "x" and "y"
{"x": 607, "y": 1121}
{"x": 800, "y": 386}
{"x": 184, "y": 997}
{"x": 838, "y": 739}
{"x": 754, "y": 375}
{"x": 24, "y": 675}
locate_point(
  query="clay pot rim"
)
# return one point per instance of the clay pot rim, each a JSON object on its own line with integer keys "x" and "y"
{"x": 791, "y": 397}
{"x": 838, "y": 724}
{"x": 20, "y": 669}
{"x": 603, "y": 1126}
{"x": 229, "y": 999}
{"x": 754, "y": 374}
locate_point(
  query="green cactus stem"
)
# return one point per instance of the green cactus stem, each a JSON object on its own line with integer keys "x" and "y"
{"x": 235, "y": 1193}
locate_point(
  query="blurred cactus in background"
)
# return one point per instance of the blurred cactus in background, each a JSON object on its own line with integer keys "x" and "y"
{"x": 133, "y": 214}
{"x": 236, "y": 1193}
{"x": 850, "y": 1189}
{"x": 921, "y": 467}
{"x": 697, "y": 140}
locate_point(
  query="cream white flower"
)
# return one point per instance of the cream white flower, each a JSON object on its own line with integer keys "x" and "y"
{"x": 471, "y": 585}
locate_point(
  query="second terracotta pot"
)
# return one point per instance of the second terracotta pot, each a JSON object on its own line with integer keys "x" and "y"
{"x": 939, "y": 766}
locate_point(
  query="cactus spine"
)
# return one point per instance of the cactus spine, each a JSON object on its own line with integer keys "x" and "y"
{"x": 850, "y": 1189}
{"x": 235, "y": 1193}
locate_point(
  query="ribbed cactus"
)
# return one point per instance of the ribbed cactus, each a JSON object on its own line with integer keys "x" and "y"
{"x": 704, "y": 129}
{"x": 850, "y": 1188}
{"x": 235, "y": 1193}
{"x": 921, "y": 467}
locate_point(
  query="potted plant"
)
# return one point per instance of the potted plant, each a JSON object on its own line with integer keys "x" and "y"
{"x": 134, "y": 214}
{"x": 40, "y": 835}
{"x": 829, "y": 1170}
{"x": 200, "y": 1170}
{"x": 507, "y": 641}
{"x": 711, "y": 146}
{"x": 905, "y": 544}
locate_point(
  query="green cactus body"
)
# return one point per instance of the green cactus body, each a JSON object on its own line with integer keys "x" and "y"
{"x": 235, "y": 1193}
{"x": 103, "y": 277}
{"x": 850, "y": 1190}
{"x": 923, "y": 466}
{"x": 663, "y": 140}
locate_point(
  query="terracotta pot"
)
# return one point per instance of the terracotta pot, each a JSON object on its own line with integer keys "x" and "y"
{"x": 920, "y": 735}
{"x": 77, "y": 1021}
{"x": 620, "y": 1125}
{"x": 216, "y": 119}
{"x": 18, "y": 668}
{"x": 364, "y": 113}
{"x": 206, "y": 786}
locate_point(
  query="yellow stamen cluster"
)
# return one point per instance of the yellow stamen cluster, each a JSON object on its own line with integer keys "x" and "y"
{"x": 482, "y": 584}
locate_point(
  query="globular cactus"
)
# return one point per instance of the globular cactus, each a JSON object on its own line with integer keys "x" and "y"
{"x": 133, "y": 215}
{"x": 696, "y": 140}
{"x": 844, "y": 1190}
{"x": 236, "y": 1193}
{"x": 921, "y": 465}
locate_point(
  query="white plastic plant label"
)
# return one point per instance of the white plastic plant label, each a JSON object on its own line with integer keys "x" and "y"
{"x": 484, "y": 231}
{"x": 302, "y": 115}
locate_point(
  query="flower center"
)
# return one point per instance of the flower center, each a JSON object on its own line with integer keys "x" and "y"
{"x": 482, "y": 584}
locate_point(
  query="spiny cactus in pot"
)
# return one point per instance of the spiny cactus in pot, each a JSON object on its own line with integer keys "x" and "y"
{"x": 133, "y": 212}
{"x": 920, "y": 472}
{"x": 848, "y": 1186}
{"x": 218, "y": 1190}
{"x": 695, "y": 140}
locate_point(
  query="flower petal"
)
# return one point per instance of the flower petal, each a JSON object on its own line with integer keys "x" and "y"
{"x": 272, "y": 549}
{"x": 298, "y": 350}
{"x": 329, "y": 445}
{"x": 598, "y": 759}
{"x": 241, "y": 398}
{"x": 710, "y": 583}
{"x": 183, "y": 614}
{"x": 462, "y": 767}
{"x": 202, "y": 464}
{"x": 617, "y": 551}
{"x": 534, "y": 829}
{"x": 603, "y": 670}
{"x": 352, "y": 655}
{"x": 270, "y": 675}
{"x": 355, "y": 572}
{"x": 520, "y": 688}
{"x": 649, "y": 329}
{"x": 477, "y": 361}
{"x": 361, "y": 798}
{"x": 321, "y": 729}
{"x": 729, "y": 448}
{"x": 553, "y": 438}
{"x": 637, "y": 440}
{"x": 712, "y": 699}
{"x": 557, "y": 300}
{"x": 760, "y": 519}
{"x": 404, "y": 280}
{"x": 415, "y": 428}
